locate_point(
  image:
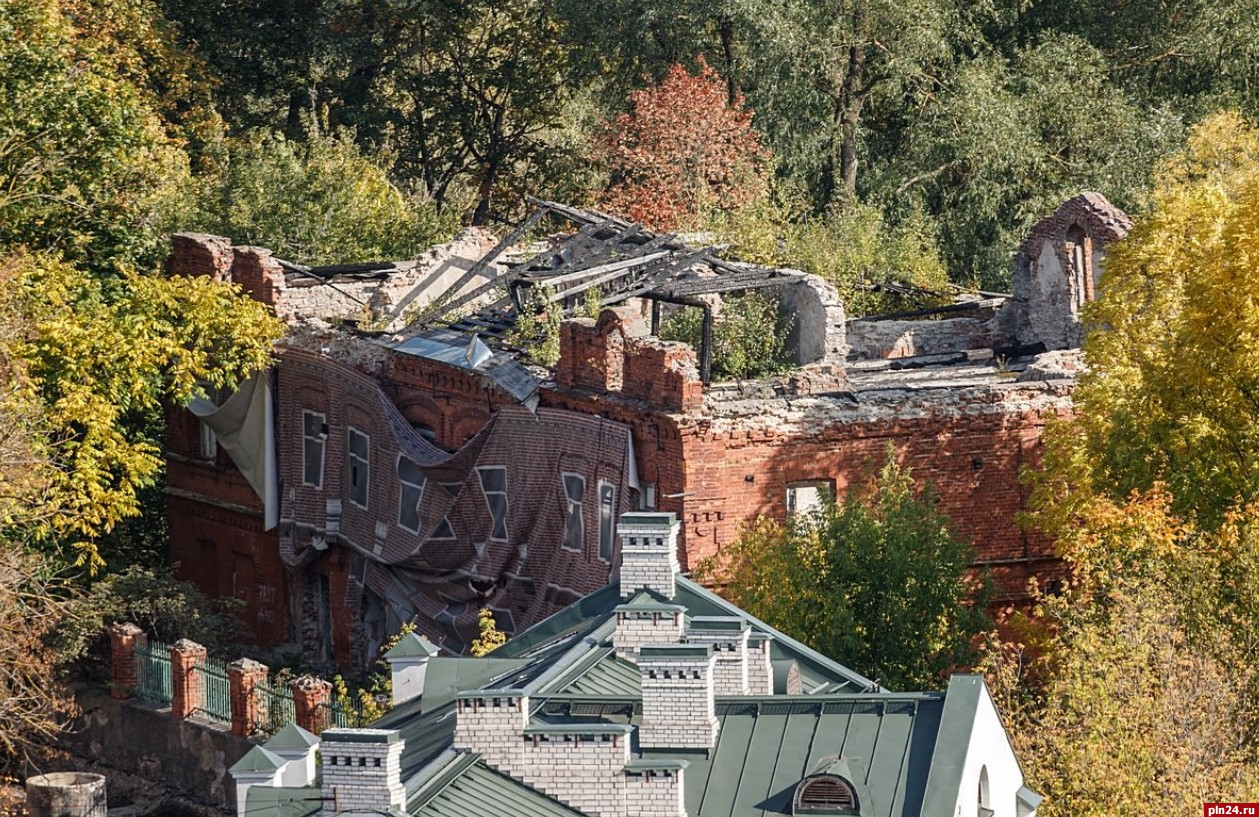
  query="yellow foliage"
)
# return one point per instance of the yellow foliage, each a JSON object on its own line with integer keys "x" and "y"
{"x": 491, "y": 637}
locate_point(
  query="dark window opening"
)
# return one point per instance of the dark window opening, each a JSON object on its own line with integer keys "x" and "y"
{"x": 359, "y": 459}
{"x": 574, "y": 524}
{"x": 607, "y": 519}
{"x": 494, "y": 487}
{"x": 314, "y": 434}
{"x": 411, "y": 481}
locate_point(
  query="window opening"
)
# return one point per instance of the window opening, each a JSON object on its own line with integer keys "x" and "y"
{"x": 574, "y": 524}
{"x": 411, "y": 481}
{"x": 314, "y": 435}
{"x": 607, "y": 519}
{"x": 494, "y": 487}
{"x": 806, "y": 497}
{"x": 358, "y": 447}
{"x": 209, "y": 443}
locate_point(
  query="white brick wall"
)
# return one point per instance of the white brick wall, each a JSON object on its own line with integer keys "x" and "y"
{"x": 494, "y": 726}
{"x": 760, "y": 673}
{"x": 361, "y": 776}
{"x": 649, "y": 557}
{"x": 678, "y": 707}
{"x": 655, "y": 793}
{"x": 635, "y": 629}
{"x": 730, "y": 648}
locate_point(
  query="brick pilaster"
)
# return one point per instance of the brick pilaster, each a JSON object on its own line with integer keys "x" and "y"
{"x": 186, "y": 694}
{"x": 124, "y": 675}
{"x": 246, "y": 676}
{"x": 311, "y": 697}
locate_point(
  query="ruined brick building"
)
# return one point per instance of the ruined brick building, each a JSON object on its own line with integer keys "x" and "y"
{"x": 402, "y": 462}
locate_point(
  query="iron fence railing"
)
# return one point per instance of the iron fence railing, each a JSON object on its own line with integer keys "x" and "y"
{"x": 216, "y": 691}
{"x": 153, "y": 672}
{"x": 275, "y": 708}
{"x": 346, "y": 713}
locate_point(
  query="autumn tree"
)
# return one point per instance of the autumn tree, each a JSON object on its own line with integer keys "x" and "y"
{"x": 1172, "y": 390}
{"x": 875, "y": 580}
{"x": 683, "y": 149}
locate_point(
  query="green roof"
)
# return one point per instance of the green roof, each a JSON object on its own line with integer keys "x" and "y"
{"x": 735, "y": 624}
{"x": 258, "y": 759}
{"x": 949, "y": 753}
{"x": 292, "y": 737}
{"x": 412, "y": 646}
{"x": 767, "y": 745}
{"x": 269, "y": 801}
{"x": 375, "y": 735}
{"x": 647, "y": 520}
{"x": 467, "y": 788}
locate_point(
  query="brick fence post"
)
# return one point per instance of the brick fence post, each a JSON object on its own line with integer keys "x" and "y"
{"x": 186, "y": 693}
{"x": 245, "y": 675}
{"x": 124, "y": 674}
{"x": 311, "y": 697}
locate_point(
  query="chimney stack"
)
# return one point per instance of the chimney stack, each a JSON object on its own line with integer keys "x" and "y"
{"x": 642, "y": 621}
{"x": 678, "y": 707}
{"x": 760, "y": 671}
{"x": 649, "y": 553}
{"x": 408, "y": 664}
{"x": 362, "y": 770}
{"x": 259, "y": 767}
{"x": 297, "y": 747}
{"x": 728, "y": 636}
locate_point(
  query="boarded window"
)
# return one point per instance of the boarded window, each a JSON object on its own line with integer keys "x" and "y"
{"x": 494, "y": 486}
{"x": 607, "y": 519}
{"x": 314, "y": 435}
{"x": 574, "y": 525}
{"x": 358, "y": 445}
{"x": 411, "y": 482}
{"x": 806, "y": 497}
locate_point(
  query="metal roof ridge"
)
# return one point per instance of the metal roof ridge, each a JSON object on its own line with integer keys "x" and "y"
{"x": 779, "y": 636}
{"x": 948, "y": 756}
{"x": 439, "y": 773}
{"x": 572, "y": 655}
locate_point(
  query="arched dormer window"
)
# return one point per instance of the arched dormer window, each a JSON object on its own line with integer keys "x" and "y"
{"x": 984, "y": 798}
{"x": 825, "y": 794}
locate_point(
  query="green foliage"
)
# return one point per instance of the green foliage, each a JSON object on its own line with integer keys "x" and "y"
{"x": 87, "y": 166}
{"x": 1140, "y": 696}
{"x": 1173, "y": 369}
{"x": 319, "y": 201}
{"x": 97, "y": 353}
{"x": 491, "y": 638}
{"x": 164, "y": 607}
{"x": 749, "y": 335}
{"x": 876, "y": 581}
{"x": 537, "y": 330}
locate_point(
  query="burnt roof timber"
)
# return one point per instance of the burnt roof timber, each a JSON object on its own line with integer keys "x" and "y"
{"x": 651, "y": 276}
{"x": 586, "y": 231}
{"x": 724, "y": 283}
{"x": 477, "y": 268}
{"x": 614, "y": 271}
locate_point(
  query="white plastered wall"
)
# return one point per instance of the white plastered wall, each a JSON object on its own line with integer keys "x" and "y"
{"x": 989, "y": 747}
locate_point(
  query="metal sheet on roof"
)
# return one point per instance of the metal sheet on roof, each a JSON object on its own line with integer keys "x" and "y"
{"x": 469, "y": 352}
{"x": 481, "y": 792}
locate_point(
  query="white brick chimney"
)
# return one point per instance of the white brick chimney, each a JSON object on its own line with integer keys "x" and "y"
{"x": 728, "y": 636}
{"x": 760, "y": 671}
{"x": 259, "y": 767}
{"x": 408, "y": 664}
{"x": 649, "y": 553}
{"x": 492, "y": 722}
{"x": 362, "y": 770}
{"x": 642, "y": 621}
{"x": 678, "y": 707}
{"x": 654, "y": 788}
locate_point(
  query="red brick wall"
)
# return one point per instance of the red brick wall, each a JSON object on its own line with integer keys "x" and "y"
{"x": 973, "y": 462}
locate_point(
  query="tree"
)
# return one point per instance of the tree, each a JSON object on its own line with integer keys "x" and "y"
{"x": 490, "y": 638}
{"x": 97, "y": 353}
{"x": 685, "y": 148}
{"x": 318, "y": 201}
{"x": 1139, "y": 695}
{"x": 33, "y": 705}
{"x": 89, "y": 166}
{"x": 876, "y": 581}
{"x": 1173, "y": 382}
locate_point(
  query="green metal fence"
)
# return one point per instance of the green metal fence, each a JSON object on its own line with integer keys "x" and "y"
{"x": 216, "y": 691}
{"x": 275, "y": 707}
{"x": 346, "y": 713}
{"x": 153, "y": 672}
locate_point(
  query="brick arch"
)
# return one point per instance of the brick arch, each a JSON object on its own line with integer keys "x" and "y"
{"x": 466, "y": 423}
{"x": 422, "y": 410}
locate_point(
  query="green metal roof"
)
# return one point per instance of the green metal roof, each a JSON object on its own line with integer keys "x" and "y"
{"x": 610, "y": 676}
{"x": 647, "y": 520}
{"x": 412, "y": 645}
{"x": 258, "y": 759}
{"x": 949, "y": 754}
{"x": 277, "y": 802}
{"x": 292, "y": 737}
{"x": 768, "y": 745}
{"x": 719, "y": 624}
{"x": 467, "y": 788}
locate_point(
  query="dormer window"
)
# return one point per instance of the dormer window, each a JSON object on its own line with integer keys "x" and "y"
{"x": 824, "y": 794}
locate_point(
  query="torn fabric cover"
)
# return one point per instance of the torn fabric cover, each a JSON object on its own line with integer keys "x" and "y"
{"x": 245, "y": 428}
